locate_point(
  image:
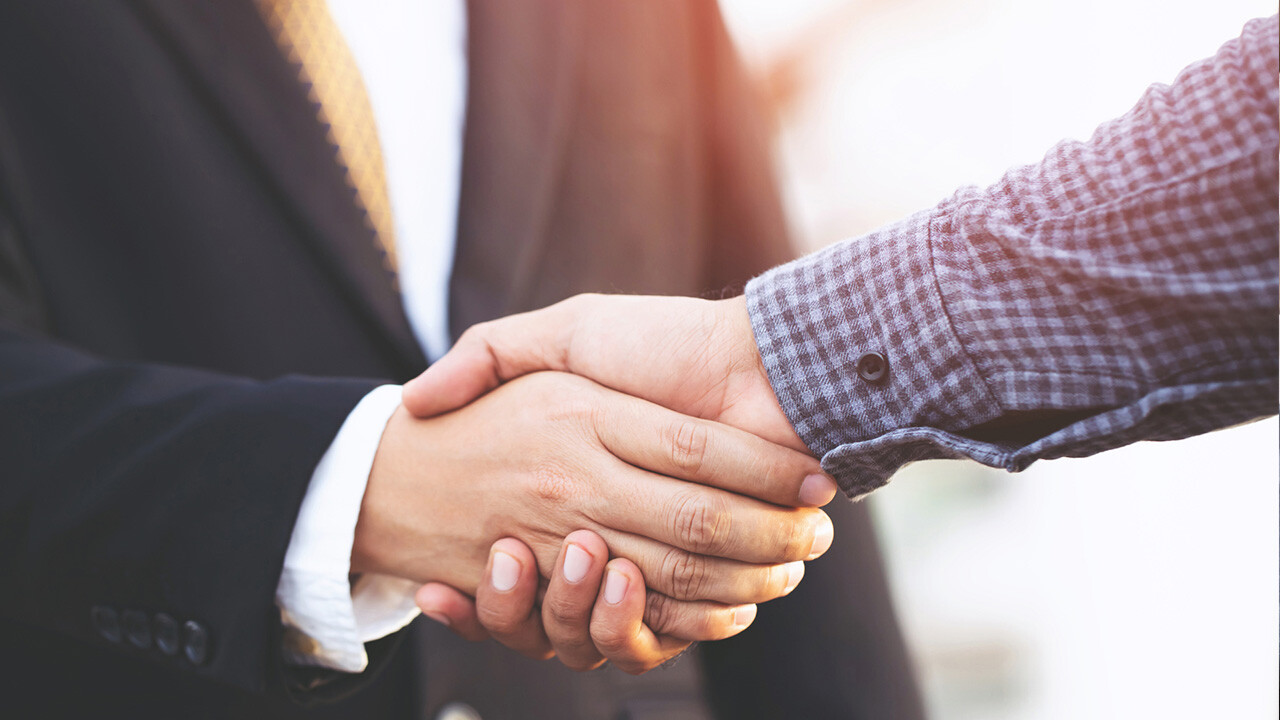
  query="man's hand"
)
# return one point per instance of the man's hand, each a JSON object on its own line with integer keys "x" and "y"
{"x": 697, "y": 357}
{"x": 553, "y": 453}
{"x": 694, "y": 356}
{"x": 592, "y": 610}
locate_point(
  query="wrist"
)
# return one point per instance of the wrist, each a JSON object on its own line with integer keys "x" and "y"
{"x": 751, "y": 403}
{"x": 372, "y": 548}
{"x": 736, "y": 318}
{"x": 410, "y": 516}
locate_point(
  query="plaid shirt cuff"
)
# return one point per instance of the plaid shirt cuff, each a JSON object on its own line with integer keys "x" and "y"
{"x": 817, "y": 322}
{"x": 818, "y": 318}
{"x": 1132, "y": 278}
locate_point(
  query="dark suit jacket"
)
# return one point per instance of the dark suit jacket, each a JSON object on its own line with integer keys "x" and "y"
{"x": 189, "y": 301}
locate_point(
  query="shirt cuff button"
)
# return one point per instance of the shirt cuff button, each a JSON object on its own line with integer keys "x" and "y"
{"x": 873, "y": 368}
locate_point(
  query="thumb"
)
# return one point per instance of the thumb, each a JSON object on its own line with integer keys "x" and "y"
{"x": 491, "y": 353}
{"x": 465, "y": 373}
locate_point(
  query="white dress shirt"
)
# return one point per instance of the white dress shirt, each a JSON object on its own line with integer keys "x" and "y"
{"x": 412, "y": 55}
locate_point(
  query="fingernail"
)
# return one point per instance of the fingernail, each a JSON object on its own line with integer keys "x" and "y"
{"x": 822, "y": 537}
{"x": 615, "y": 586}
{"x": 576, "y": 563}
{"x": 438, "y": 617}
{"x": 817, "y": 490}
{"x": 795, "y": 573}
{"x": 504, "y": 572}
{"x": 744, "y": 615}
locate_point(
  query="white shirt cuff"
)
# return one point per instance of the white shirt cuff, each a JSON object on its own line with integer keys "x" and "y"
{"x": 326, "y": 619}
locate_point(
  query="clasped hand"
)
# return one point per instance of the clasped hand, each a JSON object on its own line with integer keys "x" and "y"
{"x": 665, "y": 447}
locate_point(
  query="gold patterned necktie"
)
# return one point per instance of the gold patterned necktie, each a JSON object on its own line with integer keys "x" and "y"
{"x": 311, "y": 40}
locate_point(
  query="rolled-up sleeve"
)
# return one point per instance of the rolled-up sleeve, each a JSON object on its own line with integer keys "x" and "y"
{"x": 1128, "y": 282}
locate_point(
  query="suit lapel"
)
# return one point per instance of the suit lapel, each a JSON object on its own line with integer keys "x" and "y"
{"x": 235, "y": 62}
{"x": 522, "y": 60}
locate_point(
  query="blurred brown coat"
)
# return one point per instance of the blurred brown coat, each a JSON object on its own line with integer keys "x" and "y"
{"x": 610, "y": 146}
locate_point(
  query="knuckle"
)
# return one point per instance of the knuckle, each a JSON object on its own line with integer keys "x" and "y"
{"x": 705, "y": 622}
{"x": 610, "y": 640}
{"x": 700, "y": 522}
{"x": 761, "y": 584}
{"x": 552, "y": 482}
{"x": 661, "y": 613}
{"x": 497, "y": 621}
{"x": 792, "y": 538}
{"x": 567, "y": 399}
{"x": 803, "y": 532}
{"x": 793, "y": 545}
{"x": 562, "y": 614}
{"x": 476, "y": 334}
{"x": 774, "y": 475}
{"x": 469, "y": 336}
{"x": 779, "y": 578}
{"x": 686, "y": 573}
{"x": 687, "y": 441}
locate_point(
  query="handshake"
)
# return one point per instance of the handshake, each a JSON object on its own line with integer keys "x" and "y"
{"x": 640, "y": 428}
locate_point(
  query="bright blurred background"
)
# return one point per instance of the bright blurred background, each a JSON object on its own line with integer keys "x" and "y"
{"x": 1142, "y": 583}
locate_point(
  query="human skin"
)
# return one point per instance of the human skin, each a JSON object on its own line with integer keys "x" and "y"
{"x": 552, "y": 453}
{"x": 693, "y": 356}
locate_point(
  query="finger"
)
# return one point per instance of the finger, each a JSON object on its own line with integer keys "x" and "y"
{"x": 569, "y": 627}
{"x": 506, "y": 596}
{"x": 488, "y": 354}
{"x": 617, "y": 626}
{"x": 452, "y": 608}
{"x": 708, "y": 521}
{"x": 669, "y": 443}
{"x": 571, "y": 593}
{"x": 465, "y": 373}
{"x": 694, "y": 621}
{"x": 683, "y": 575}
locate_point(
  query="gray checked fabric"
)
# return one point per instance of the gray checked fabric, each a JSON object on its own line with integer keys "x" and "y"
{"x": 1130, "y": 280}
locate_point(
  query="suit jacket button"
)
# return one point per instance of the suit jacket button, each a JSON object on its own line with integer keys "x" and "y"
{"x": 873, "y": 368}
{"x": 195, "y": 642}
{"x": 107, "y": 622}
{"x": 165, "y": 628}
{"x": 458, "y": 711}
{"x": 137, "y": 629}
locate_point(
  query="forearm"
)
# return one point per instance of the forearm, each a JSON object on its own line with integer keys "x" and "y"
{"x": 155, "y": 488}
{"x": 1122, "y": 289}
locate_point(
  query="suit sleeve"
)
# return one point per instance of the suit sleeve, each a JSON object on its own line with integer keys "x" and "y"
{"x": 1123, "y": 289}
{"x": 128, "y": 491}
{"x": 328, "y": 618}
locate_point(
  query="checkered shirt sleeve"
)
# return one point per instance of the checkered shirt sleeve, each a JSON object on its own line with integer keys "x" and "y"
{"x": 1131, "y": 279}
